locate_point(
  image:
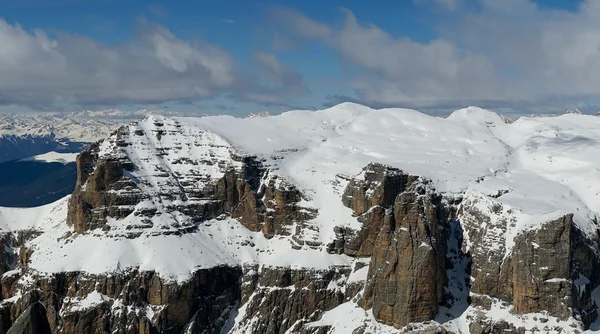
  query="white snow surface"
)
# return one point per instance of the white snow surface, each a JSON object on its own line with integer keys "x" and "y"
{"x": 39, "y": 218}
{"x": 547, "y": 166}
{"x": 63, "y": 158}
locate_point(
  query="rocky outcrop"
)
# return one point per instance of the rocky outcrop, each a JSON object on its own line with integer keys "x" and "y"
{"x": 276, "y": 300}
{"x": 370, "y": 195}
{"x": 541, "y": 262}
{"x": 32, "y": 321}
{"x": 259, "y": 201}
{"x": 551, "y": 269}
{"x": 376, "y": 185}
{"x": 401, "y": 216}
{"x": 101, "y": 190}
{"x": 14, "y": 252}
{"x": 134, "y": 302}
{"x": 407, "y": 272}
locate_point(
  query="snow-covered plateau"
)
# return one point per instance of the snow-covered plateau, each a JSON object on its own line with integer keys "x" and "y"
{"x": 344, "y": 220}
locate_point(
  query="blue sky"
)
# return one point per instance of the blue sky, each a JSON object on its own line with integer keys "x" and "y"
{"x": 250, "y": 56}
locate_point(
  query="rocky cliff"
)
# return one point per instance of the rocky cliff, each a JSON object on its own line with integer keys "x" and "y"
{"x": 177, "y": 226}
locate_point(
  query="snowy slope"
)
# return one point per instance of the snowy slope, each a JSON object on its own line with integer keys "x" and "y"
{"x": 39, "y": 218}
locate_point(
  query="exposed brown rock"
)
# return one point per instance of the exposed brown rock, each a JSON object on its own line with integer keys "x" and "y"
{"x": 101, "y": 191}
{"x": 540, "y": 271}
{"x": 369, "y": 196}
{"x": 142, "y": 302}
{"x": 378, "y": 185}
{"x": 399, "y": 216}
{"x": 407, "y": 271}
{"x": 32, "y": 321}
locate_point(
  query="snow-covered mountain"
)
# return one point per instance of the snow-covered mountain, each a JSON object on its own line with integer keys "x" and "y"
{"x": 345, "y": 220}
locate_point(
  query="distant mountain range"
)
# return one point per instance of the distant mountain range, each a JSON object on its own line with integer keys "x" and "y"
{"x": 37, "y": 151}
{"x": 28, "y": 134}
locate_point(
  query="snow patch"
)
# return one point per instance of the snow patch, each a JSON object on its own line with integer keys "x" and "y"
{"x": 63, "y": 158}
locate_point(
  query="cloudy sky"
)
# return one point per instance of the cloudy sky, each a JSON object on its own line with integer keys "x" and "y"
{"x": 242, "y": 56}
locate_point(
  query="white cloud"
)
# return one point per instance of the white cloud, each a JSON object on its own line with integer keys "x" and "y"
{"x": 157, "y": 66}
{"x": 274, "y": 73}
{"x": 276, "y": 83}
{"x": 180, "y": 56}
{"x": 35, "y": 69}
{"x": 499, "y": 53}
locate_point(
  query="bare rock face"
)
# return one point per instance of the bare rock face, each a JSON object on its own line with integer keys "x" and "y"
{"x": 261, "y": 202}
{"x": 101, "y": 190}
{"x": 377, "y": 185}
{"x": 14, "y": 253}
{"x": 481, "y": 325}
{"x": 274, "y": 300}
{"x": 32, "y": 321}
{"x": 547, "y": 275}
{"x": 362, "y": 243}
{"x": 400, "y": 214}
{"x": 370, "y": 195}
{"x": 542, "y": 269}
{"x": 407, "y": 272}
{"x": 550, "y": 269}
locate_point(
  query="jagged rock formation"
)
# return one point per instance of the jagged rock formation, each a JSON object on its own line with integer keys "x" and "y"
{"x": 549, "y": 269}
{"x": 134, "y": 302}
{"x": 400, "y": 216}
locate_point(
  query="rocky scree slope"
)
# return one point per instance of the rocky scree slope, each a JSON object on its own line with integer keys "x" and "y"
{"x": 346, "y": 220}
